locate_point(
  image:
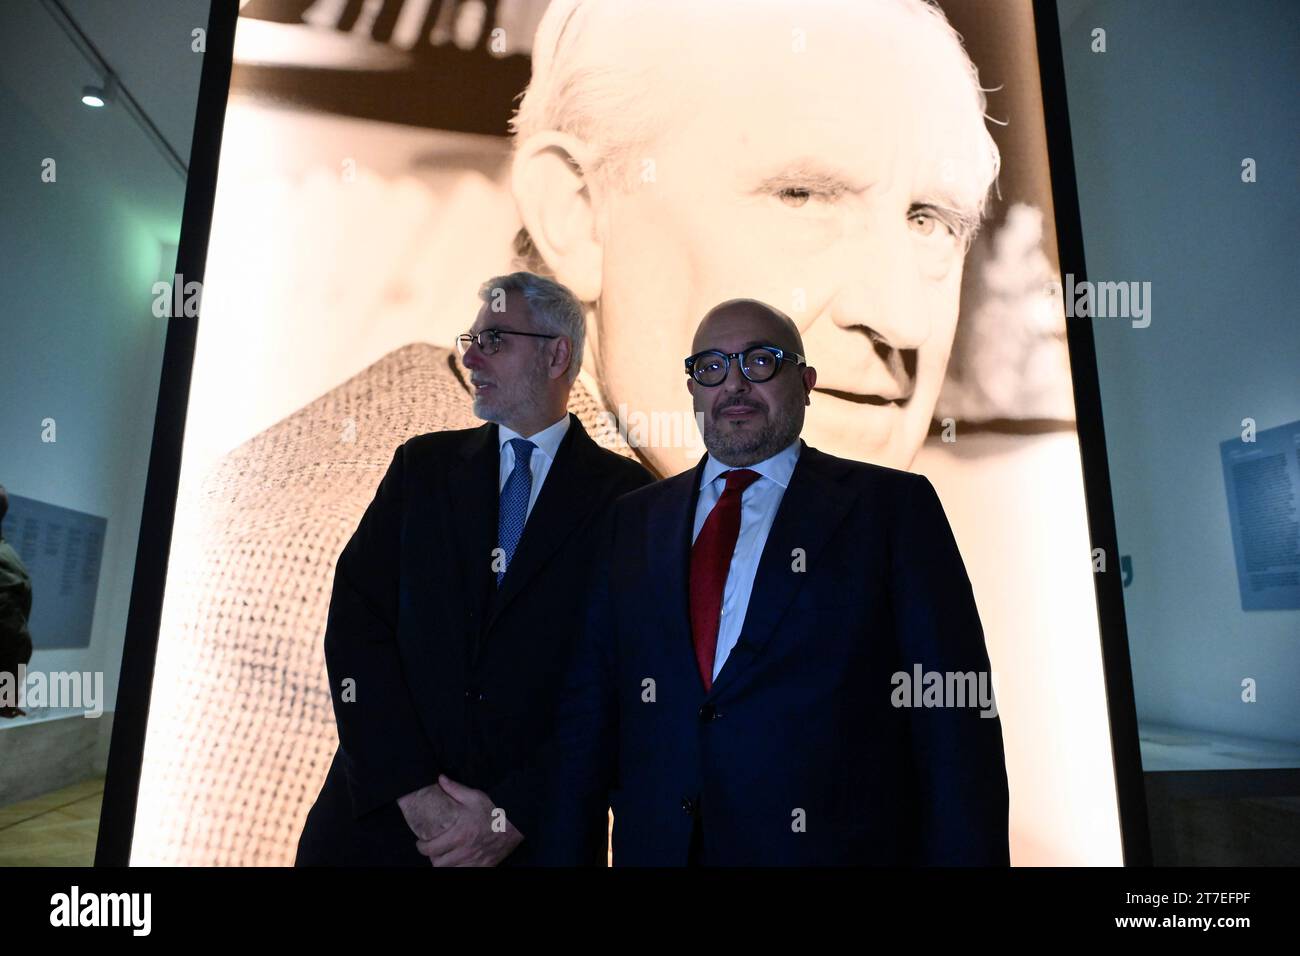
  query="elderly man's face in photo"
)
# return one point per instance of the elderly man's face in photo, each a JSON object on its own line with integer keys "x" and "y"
{"x": 837, "y": 183}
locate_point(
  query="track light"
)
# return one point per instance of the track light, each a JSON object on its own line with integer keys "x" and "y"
{"x": 99, "y": 96}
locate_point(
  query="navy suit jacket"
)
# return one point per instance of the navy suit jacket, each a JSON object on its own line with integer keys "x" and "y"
{"x": 797, "y": 755}
{"x": 451, "y": 674}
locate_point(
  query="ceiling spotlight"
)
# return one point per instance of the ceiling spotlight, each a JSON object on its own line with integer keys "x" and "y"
{"x": 99, "y": 96}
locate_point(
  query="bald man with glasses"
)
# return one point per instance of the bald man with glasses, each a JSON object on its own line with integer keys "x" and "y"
{"x": 734, "y": 699}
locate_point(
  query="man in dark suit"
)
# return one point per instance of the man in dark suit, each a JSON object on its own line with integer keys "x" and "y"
{"x": 742, "y": 691}
{"x": 453, "y": 612}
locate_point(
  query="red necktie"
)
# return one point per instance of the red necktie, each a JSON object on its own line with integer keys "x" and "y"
{"x": 710, "y": 562}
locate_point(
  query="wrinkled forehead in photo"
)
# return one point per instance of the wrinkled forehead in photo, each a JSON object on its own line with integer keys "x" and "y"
{"x": 871, "y": 87}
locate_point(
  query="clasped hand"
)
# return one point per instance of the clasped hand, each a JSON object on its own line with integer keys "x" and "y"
{"x": 456, "y": 825}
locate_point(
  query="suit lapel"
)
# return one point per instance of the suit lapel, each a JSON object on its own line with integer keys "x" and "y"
{"x": 564, "y": 503}
{"x": 447, "y": 539}
{"x": 472, "y": 501}
{"x": 811, "y": 509}
{"x": 673, "y": 511}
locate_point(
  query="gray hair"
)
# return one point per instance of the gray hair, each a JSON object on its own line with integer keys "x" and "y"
{"x": 555, "y": 309}
{"x": 603, "y": 103}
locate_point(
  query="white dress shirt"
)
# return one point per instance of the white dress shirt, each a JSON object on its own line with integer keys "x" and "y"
{"x": 757, "y": 512}
{"x": 539, "y": 463}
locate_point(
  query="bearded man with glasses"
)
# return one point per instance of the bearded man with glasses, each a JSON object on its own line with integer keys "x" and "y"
{"x": 455, "y": 609}
{"x": 734, "y": 698}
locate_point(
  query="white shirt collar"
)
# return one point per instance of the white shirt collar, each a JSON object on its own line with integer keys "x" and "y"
{"x": 547, "y": 440}
{"x": 779, "y": 467}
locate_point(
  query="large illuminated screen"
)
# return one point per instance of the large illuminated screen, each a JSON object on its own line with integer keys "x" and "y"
{"x": 876, "y": 169}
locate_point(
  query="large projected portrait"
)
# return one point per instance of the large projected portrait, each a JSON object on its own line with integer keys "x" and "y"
{"x": 877, "y": 170}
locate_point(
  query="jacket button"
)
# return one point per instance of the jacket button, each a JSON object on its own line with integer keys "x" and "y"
{"x": 708, "y": 712}
{"x": 688, "y": 804}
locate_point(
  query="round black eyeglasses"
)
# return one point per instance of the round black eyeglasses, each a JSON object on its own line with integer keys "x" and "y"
{"x": 758, "y": 364}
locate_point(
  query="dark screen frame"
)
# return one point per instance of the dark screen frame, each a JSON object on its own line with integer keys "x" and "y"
{"x": 144, "y": 616}
{"x": 1117, "y": 669}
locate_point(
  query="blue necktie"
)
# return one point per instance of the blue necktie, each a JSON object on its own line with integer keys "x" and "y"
{"x": 514, "y": 502}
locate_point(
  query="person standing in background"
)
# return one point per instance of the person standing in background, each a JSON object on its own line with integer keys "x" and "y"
{"x": 15, "y": 609}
